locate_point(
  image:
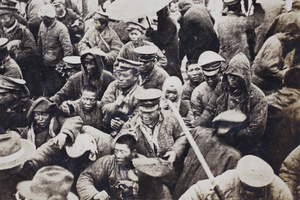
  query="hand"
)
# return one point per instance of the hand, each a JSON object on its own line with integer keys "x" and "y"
{"x": 171, "y": 155}
{"x": 116, "y": 124}
{"x": 65, "y": 107}
{"x": 101, "y": 195}
{"x": 60, "y": 140}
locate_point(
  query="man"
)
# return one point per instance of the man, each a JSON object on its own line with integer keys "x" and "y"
{"x": 136, "y": 32}
{"x": 277, "y": 55}
{"x": 91, "y": 73}
{"x": 21, "y": 45}
{"x": 282, "y": 131}
{"x": 151, "y": 76}
{"x": 252, "y": 179}
{"x": 33, "y": 20}
{"x": 42, "y": 122}
{"x": 14, "y": 152}
{"x": 51, "y": 182}
{"x": 195, "y": 77}
{"x": 119, "y": 102}
{"x": 53, "y": 45}
{"x": 114, "y": 176}
{"x": 234, "y": 23}
{"x": 87, "y": 107}
{"x": 14, "y": 103}
{"x": 157, "y": 132}
{"x": 166, "y": 38}
{"x": 219, "y": 156}
{"x": 290, "y": 172}
{"x": 196, "y": 31}
{"x": 8, "y": 67}
{"x": 101, "y": 36}
{"x": 211, "y": 67}
{"x": 65, "y": 16}
{"x": 236, "y": 91}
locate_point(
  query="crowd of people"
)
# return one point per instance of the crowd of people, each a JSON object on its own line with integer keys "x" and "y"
{"x": 96, "y": 108}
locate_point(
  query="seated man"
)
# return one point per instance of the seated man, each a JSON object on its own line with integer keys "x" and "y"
{"x": 119, "y": 102}
{"x": 151, "y": 76}
{"x": 158, "y": 133}
{"x": 92, "y": 72}
{"x": 87, "y": 107}
{"x": 14, "y": 151}
{"x": 101, "y": 36}
{"x": 115, "y": 177}
{"x": 252, "y": 179}
{"x": 237, "y": 92}
{"x": 14, "y": 103}
{"x": 136, "y": 34}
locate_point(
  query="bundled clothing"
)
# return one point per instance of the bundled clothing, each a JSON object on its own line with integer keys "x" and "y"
{"x": 219, "y": 156}
{"x": 249, "y": 99}
{"x": 290, "y": 172}
{"x": 72, "y": 89}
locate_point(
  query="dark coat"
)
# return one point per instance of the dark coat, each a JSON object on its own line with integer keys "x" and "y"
{"x": 282, "y": 133}
{"x": 10, "y": 68}
{"x": 155, "y": 79}
{"x": 252, "y": 103}
{"x": 219, "y": 156}
{"x": 290, "y": 172}
{"x": 72, "y": 89}
{"x": 196, "y": 33}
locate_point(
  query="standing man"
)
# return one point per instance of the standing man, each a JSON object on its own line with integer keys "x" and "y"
{"x": 53, "y": 45}
{"x": 101, "y": 36}
{"x": 151, "y": 76}
{"x": 33, "y": 20}
{"x": 211, "y": 68}
{"x": 196, "y": 33}
{"x": 21, "y": 46}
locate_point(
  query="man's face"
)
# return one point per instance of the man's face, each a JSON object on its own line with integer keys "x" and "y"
{"x": 88, "y": 100}
{"x": 135, "y": 36}
{"x": 71, "y": 72}
{"x": 90, "y": 64}
{"x": 6, "y": 98}
{"x": 122, "y": 154}
{"x": 146, "y": 66}
{"x": 171, "y": 94}
{"x": 194, "y": 73}
{"x": 59, "y": 8}
{"x": 249, "y": 192}
{"x": 149, "y": 118}
{"x": 126, "y": 79}
{"x": 233, "y": 80}
{"x": 41, "y": 119}
{"x": 100, "y": 23}
{"x": 47, "y": 20}
{"x": 7, "y": 20}
{"x": 212, "y": 81}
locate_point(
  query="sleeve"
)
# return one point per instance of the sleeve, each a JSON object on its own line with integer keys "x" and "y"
{"x": 290, "y": 172}
{"x": 196, "y": 103}
{"x": 108, "y": 99}
{"x": 32, "y": 14}
{"x": 161, "y": 59}
{"x": 66, "y": 91}
{"x": 95, "y": 174}
{"x": 181, "y": 142}
{"x": 84, "y": 43}
{"x": 72, "y": 127}
{"x": 28, "y": 45}
{"x": 198, "y": 191}
{"x": 39, "y": 43}
{"x": 115, "y": 47}
{"x": 256, "y": 19}
{"x": 65, "y": 41}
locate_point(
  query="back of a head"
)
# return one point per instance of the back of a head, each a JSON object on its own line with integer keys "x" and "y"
{"x": 129, "y": 140}
{"x": 292, "y": 77}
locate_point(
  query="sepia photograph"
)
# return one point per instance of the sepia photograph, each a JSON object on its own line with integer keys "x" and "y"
{"x": 150, "y": 100}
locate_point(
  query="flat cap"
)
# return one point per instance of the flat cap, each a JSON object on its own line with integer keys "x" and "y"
{"x": 148, "y": 99}
{"x": 254, "y": 172}
{"x": 210, "y": 62}
{"x": 146, "y": 53}
{"x": 135, "y": 26}
{"x": 127, "y": 64}
{"x": 8, "y": 83}
{"x": 7, "y": 10}
{"x": 3, "y": 42}
{"x": 72, "y": 61}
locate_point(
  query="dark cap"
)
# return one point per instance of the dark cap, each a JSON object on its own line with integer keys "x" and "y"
{"x": 127, "y": 64}
{"x": 146, "y": 53}
{"x": 148, "y": 99}
{"x": 7, "y": 83}
{"x": 4, "y": 10}
{"x": 135, "y": 26}
{"x": 72, "y": 62}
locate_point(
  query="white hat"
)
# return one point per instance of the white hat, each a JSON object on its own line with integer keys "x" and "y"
{"x": 254, "y": 172}
{"x": 82, "y": 144}
{"x": 47, "y": 10}
{"x": 210, "y": 62}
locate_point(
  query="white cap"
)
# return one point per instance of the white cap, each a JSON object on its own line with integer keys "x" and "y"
{"x": 47, "y": 10}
